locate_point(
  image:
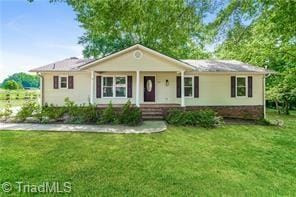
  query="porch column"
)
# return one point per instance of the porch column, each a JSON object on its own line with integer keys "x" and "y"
{"x": 182, "y": 89}
{"x": 92, "y": 76}
{"x": 138, "y": 89}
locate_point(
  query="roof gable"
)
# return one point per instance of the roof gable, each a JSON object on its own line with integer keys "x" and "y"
{"x": 145, "y": 51}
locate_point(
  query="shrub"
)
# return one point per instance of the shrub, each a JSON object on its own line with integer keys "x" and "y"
{"x": 130, "y": 115}
{"x": 70, "y": 107}
{"x": 29, "y": 109}
{"x": 89, "y": 114}
{"x": 203, "y": 118}
{"x": 108, "y": 115}
{"x": 174, "y": 117}
{"x": 6, "y": 113}
{"x": 84, "y": 114}
{"x": 80, "y": 114}
{"x": 208, "y": 118}
{"x": 52, "y": 112}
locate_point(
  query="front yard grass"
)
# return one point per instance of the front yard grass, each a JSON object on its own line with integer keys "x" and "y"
{"x": 236, "y": 160}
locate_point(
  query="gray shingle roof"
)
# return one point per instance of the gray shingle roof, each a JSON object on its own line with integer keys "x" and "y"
{"x": 74, "y": 64}
{"x": 223, "y": 66}
{"x": 69, "y": 64}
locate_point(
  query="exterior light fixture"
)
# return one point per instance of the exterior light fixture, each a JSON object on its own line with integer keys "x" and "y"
{"x": 167, "y": 82}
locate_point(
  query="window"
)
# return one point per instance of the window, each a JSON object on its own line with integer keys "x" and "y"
{"x": 114, "y": 86}
{"x": 63, "y": 82}
{"x": 120, "y": 86}
{"x": 241, "y": 87}
{"x": 188, "y": 88}
{"x": 107, "y": 86}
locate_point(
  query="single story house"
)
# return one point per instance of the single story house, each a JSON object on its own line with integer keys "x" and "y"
{"x": 155, "y": 83}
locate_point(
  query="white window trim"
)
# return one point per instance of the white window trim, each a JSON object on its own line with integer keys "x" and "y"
{"x": 192, "y": 86}
{"x": 60, "y": 81}
{"x": 114, "y": 86}
{"x": 246, "y": 86}
{"x": 107, "y": 86}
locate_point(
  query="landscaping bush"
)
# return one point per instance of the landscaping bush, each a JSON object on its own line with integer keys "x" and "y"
{"x": 6, "y": 112}
{"x": 84, "y": 114}
{"x": 108, "y": 115}
{"x": 203, "y": 118}
{"x": 130, "y": 115}
{"x": 88, "y": 114}
{"x": 52, "y": 113}
{"x": 72, "y": 113}
{"x": 80, "y": 114}
{"x": 29, "y": 109}
{"x": 174, "y": 117}
{"x": 70, "y": 107}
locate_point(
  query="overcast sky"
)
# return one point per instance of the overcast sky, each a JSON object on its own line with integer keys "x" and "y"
{"x": 35, "y": 34}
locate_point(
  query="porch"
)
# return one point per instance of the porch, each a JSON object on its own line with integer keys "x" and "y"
{"x": 143, "y": 88}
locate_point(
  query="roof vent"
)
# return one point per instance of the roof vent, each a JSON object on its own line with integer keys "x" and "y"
{"x": 138, "y": 54}
{"x": 73, "y": 58}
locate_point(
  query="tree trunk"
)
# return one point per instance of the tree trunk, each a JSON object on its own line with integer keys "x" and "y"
{"x": 277, "y": 107}
{"x": 286, "y": 107}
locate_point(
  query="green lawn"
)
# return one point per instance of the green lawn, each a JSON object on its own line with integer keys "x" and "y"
{"x": 236, "y": 160}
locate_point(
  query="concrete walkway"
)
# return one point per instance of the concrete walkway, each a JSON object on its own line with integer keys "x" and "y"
{"x": 146, "y": 127}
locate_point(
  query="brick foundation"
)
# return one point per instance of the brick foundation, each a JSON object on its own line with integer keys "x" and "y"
{"x": 253, "y": 112}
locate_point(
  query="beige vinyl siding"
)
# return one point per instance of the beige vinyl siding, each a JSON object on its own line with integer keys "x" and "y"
{"x": 80, "y": 94}
{"x": 127, "y": 62}
{"x": 214, "y": 90}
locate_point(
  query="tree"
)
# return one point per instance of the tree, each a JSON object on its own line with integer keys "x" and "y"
{"x": 174, "y": 27}
{"x": 11, "y": 85}
{"x": 285, "y": 91}
{"x": 262, "y": 33}
{"x": 24, "y": 80}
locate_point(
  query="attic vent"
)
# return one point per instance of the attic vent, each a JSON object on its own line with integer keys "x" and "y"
{"x": 138, "y": 54}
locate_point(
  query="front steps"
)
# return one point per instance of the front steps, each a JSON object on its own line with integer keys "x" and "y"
{"x": 152, "y": 113}
{"x": 149, "y": 111}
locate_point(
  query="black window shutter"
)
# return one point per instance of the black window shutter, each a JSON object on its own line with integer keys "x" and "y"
{"x": 98, "y": 86}
{"x": 196, "y": 86}
{"x": 178, "y": 85}
{"x": 56, "y": 82}
{"x": 233, "y": 86}
{"x": 129, "y": 86}
{"x": 250, "y": 86}
{"x": 70, "y": 82}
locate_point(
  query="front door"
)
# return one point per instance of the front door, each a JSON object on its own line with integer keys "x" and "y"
{"x": 149, "y": 88}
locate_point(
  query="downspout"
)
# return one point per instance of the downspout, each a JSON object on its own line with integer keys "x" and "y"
{"x": 41, "y": 89}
